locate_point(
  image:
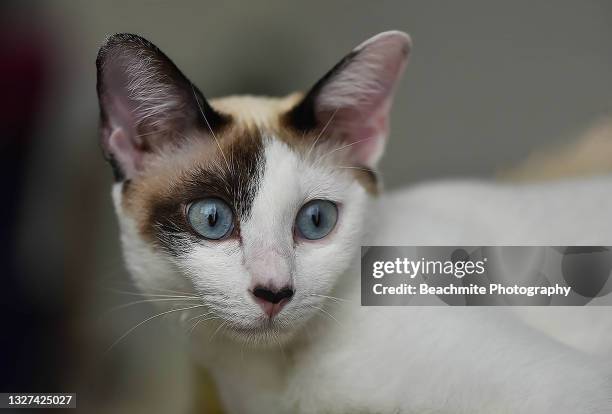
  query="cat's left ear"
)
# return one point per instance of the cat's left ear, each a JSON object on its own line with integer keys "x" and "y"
{"x": 146, "y": 103}
{"x": 351, "y": 103}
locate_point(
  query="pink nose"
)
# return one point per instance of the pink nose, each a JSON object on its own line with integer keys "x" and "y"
{"x": 270, "y": 300}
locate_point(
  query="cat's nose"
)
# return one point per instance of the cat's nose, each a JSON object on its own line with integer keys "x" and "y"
{"x": 272, "y": 300}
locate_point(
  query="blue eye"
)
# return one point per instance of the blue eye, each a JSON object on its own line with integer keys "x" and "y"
{"x": 316, "y": 219}
{"x": 211, "y": 218}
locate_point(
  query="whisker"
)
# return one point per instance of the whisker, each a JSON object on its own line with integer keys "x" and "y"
{"x": 199, "y": 316}
{"x": 209, "y": 127}
{"x": 217, "y": 330}
{"x": 129, "y": 304}
{"x": 345, "y": 146}
{"x": 330, "y": 297}
{"x": 147, "y": 320}
{"x": 154, "y": 295}
{"x": 328, "y": 314}
{"x": 355, "y": 168}
{"x": 322, "y": 132}
{"x": 163, "y": 290}
{"x": 190, "y": 332}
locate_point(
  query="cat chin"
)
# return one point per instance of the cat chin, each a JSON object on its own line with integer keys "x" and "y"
{"x": 263, "y": 336}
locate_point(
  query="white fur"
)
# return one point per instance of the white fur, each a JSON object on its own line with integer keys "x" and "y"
{"x": 344, "y": 358}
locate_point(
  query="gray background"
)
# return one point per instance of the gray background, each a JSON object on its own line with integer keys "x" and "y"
{"x": 488, "y": 81}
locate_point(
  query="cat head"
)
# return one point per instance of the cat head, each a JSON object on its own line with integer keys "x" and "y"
{"x": 254, "y": 205}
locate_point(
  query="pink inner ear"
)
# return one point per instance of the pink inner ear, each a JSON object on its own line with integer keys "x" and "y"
{"x": 375, "y": 138}
{"x": 125, "y": 151}
{"x": 122, "y": 141}
{"x": 364, "y": 136}
{"x": 361, "y": 93}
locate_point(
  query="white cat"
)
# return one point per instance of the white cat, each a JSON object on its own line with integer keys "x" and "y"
{"x": 257, "y": 208}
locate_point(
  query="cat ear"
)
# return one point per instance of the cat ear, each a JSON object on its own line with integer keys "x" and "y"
{"x": 351, "y": 103}
{"x": 145, "y": 103}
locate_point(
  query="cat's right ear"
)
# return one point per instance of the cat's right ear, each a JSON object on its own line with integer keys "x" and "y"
{"x": 351, "y": 103}
{"x": 146, "y": 103}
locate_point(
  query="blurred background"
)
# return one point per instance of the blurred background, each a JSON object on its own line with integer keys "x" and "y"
{"x": 491, "y": 85}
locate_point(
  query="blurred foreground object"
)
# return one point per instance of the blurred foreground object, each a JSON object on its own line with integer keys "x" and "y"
{"x": 25, "y": 72}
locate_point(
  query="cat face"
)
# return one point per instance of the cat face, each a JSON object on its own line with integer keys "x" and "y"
{"x": 254, "y": 205}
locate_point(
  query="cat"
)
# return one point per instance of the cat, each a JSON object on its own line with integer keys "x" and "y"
{"x": 257, "y": 208}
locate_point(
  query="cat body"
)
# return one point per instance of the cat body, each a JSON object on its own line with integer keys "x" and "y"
{"x": 258, "y": 207}
{"x": 429, "y": 359}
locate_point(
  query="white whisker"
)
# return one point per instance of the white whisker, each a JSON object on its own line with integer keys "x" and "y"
{"x": 217, "y": 330}
{"x": 322, "y": 132}
{"x": 147, "y": 320}
{"x": 199, "y": 316}
{"x": 209, "y": 127}
{"x": 327, "y": 313}
{"x": 129, "y": 304}
{"x": 153, "y": 295}
{"x": 346, "y": 146}
{"x": 330, "y": 297}
{"x": 355, "y": 168}
{"x": 190, "y": 332}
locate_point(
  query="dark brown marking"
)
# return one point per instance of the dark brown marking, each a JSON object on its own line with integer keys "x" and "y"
{"x": 160, "y": 203}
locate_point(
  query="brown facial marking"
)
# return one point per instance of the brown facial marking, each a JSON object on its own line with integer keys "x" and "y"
{"x": 158, "y": 199}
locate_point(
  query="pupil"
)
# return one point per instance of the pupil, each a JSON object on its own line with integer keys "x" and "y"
{"x": 316, "y": 217}
{"x": 212, "y": 216}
